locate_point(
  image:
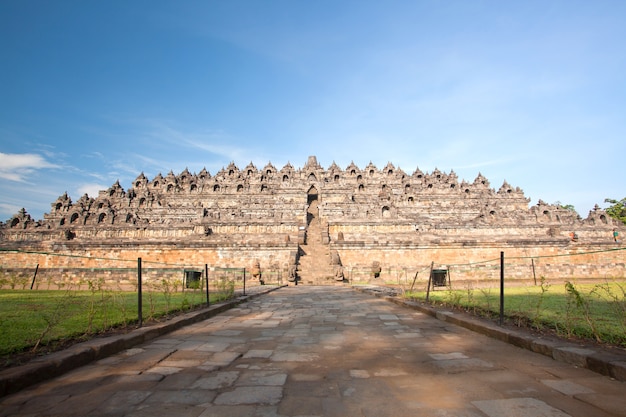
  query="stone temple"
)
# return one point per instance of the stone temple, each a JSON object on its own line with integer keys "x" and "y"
{"x": 317, "y": 225}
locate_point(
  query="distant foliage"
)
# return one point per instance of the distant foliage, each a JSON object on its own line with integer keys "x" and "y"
{"x": 617, "y": 210}
{"x": 569, "y": 207}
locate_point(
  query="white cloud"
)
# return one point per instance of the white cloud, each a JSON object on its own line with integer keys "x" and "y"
{"x": 91, "y": 189}
{"x": 8, "y": 209}
{"x": 17, "y": 167}
{"x": 209, "y": 141}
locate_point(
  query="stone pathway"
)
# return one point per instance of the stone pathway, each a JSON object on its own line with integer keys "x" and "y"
{"x": 323, "y": 351}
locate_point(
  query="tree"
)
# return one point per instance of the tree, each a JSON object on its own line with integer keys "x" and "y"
{"x": 569, "y": 207}
{"x": 617, "y": 210}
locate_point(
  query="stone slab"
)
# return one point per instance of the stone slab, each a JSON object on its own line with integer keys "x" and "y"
{"x": 566, "y": 387}
{"x": 251, "y": 395}
{"x": 518, "y": 407}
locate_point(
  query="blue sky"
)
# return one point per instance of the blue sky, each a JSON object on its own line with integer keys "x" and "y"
{"x": 531, "y": 92}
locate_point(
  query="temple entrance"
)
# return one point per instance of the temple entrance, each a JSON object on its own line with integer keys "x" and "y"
{"x": 311, "y": 195}
{"x": 312, "y": 200}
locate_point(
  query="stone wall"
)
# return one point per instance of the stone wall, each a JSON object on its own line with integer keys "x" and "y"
{"x": 74, "y": 262}
{"x": 475, "y": 262}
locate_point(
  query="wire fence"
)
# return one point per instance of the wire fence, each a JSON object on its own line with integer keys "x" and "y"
{"x": 581, "y": 295}
{"x": 51, "y": 296}
{"x": 55, "y": 297}
{"x": 47, "y": 270}
{"x": 527, "y": 292}
{"x": 519, "y": 271}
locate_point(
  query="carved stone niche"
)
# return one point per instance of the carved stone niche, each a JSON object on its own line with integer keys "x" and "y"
{"x": 553, "y": 231}
{"x": 375, "y": 269}
{"x": 21, "y": 220}
{"x": 256, "y": 272}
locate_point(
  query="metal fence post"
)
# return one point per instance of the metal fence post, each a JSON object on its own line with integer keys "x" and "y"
{"x": 206, "y": 277}
{"x": 501, "y": 288}
{"x": 139, "y": 296}
{"x": 34, "y": 276}
{"x": 430, "y": 279}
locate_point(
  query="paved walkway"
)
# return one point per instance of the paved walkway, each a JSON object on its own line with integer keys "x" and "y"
{"x": 323, "y": 351}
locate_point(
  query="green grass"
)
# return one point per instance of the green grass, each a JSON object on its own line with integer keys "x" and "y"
{"x": 30, "y": 320}
{"x": 591, "y": 311}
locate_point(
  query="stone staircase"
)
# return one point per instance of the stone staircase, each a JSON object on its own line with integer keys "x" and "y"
{"x": 313, "y": 266}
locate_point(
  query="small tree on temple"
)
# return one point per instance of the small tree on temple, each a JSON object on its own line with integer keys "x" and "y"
{"x": 617, "y": 209}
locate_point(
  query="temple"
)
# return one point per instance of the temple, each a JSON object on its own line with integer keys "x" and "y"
{"x": 317, "y": 225}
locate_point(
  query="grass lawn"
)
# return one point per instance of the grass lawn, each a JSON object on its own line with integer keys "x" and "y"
{"x": 587, "y": 310}
{"x": 32, "y": 319}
